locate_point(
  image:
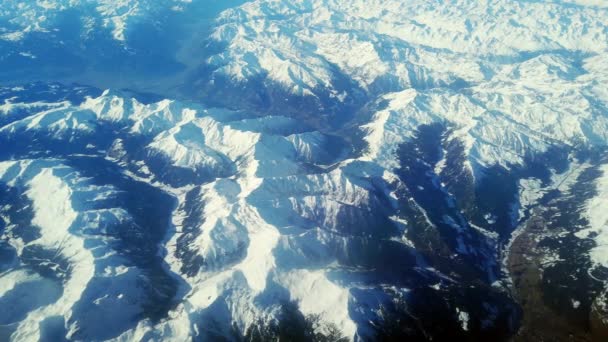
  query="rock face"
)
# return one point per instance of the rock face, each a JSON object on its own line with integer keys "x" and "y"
{"x": 308, "y": 170}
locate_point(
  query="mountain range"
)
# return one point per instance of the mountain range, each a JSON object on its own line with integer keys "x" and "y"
{"x": 310, "y": 170}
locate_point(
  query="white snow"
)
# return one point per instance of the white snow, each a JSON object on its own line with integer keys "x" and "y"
{"x": 56, "y": 191}
{"x": 463, "y": 316}
{"x": 330, "y": 300}
{"x": 509, "y": 78}
{"x": 530, "y": 191}
{"x": 597, "y": 215}
{"x": 54, "y": 215}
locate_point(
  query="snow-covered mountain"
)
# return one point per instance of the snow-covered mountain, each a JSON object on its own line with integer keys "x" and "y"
{"x": 303, "y": 170}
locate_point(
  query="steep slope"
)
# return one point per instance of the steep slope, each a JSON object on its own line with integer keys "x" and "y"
{"x": 316, "y": 49}
{"x": 88, "y": 245}
{"x": 261, "y": 220}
